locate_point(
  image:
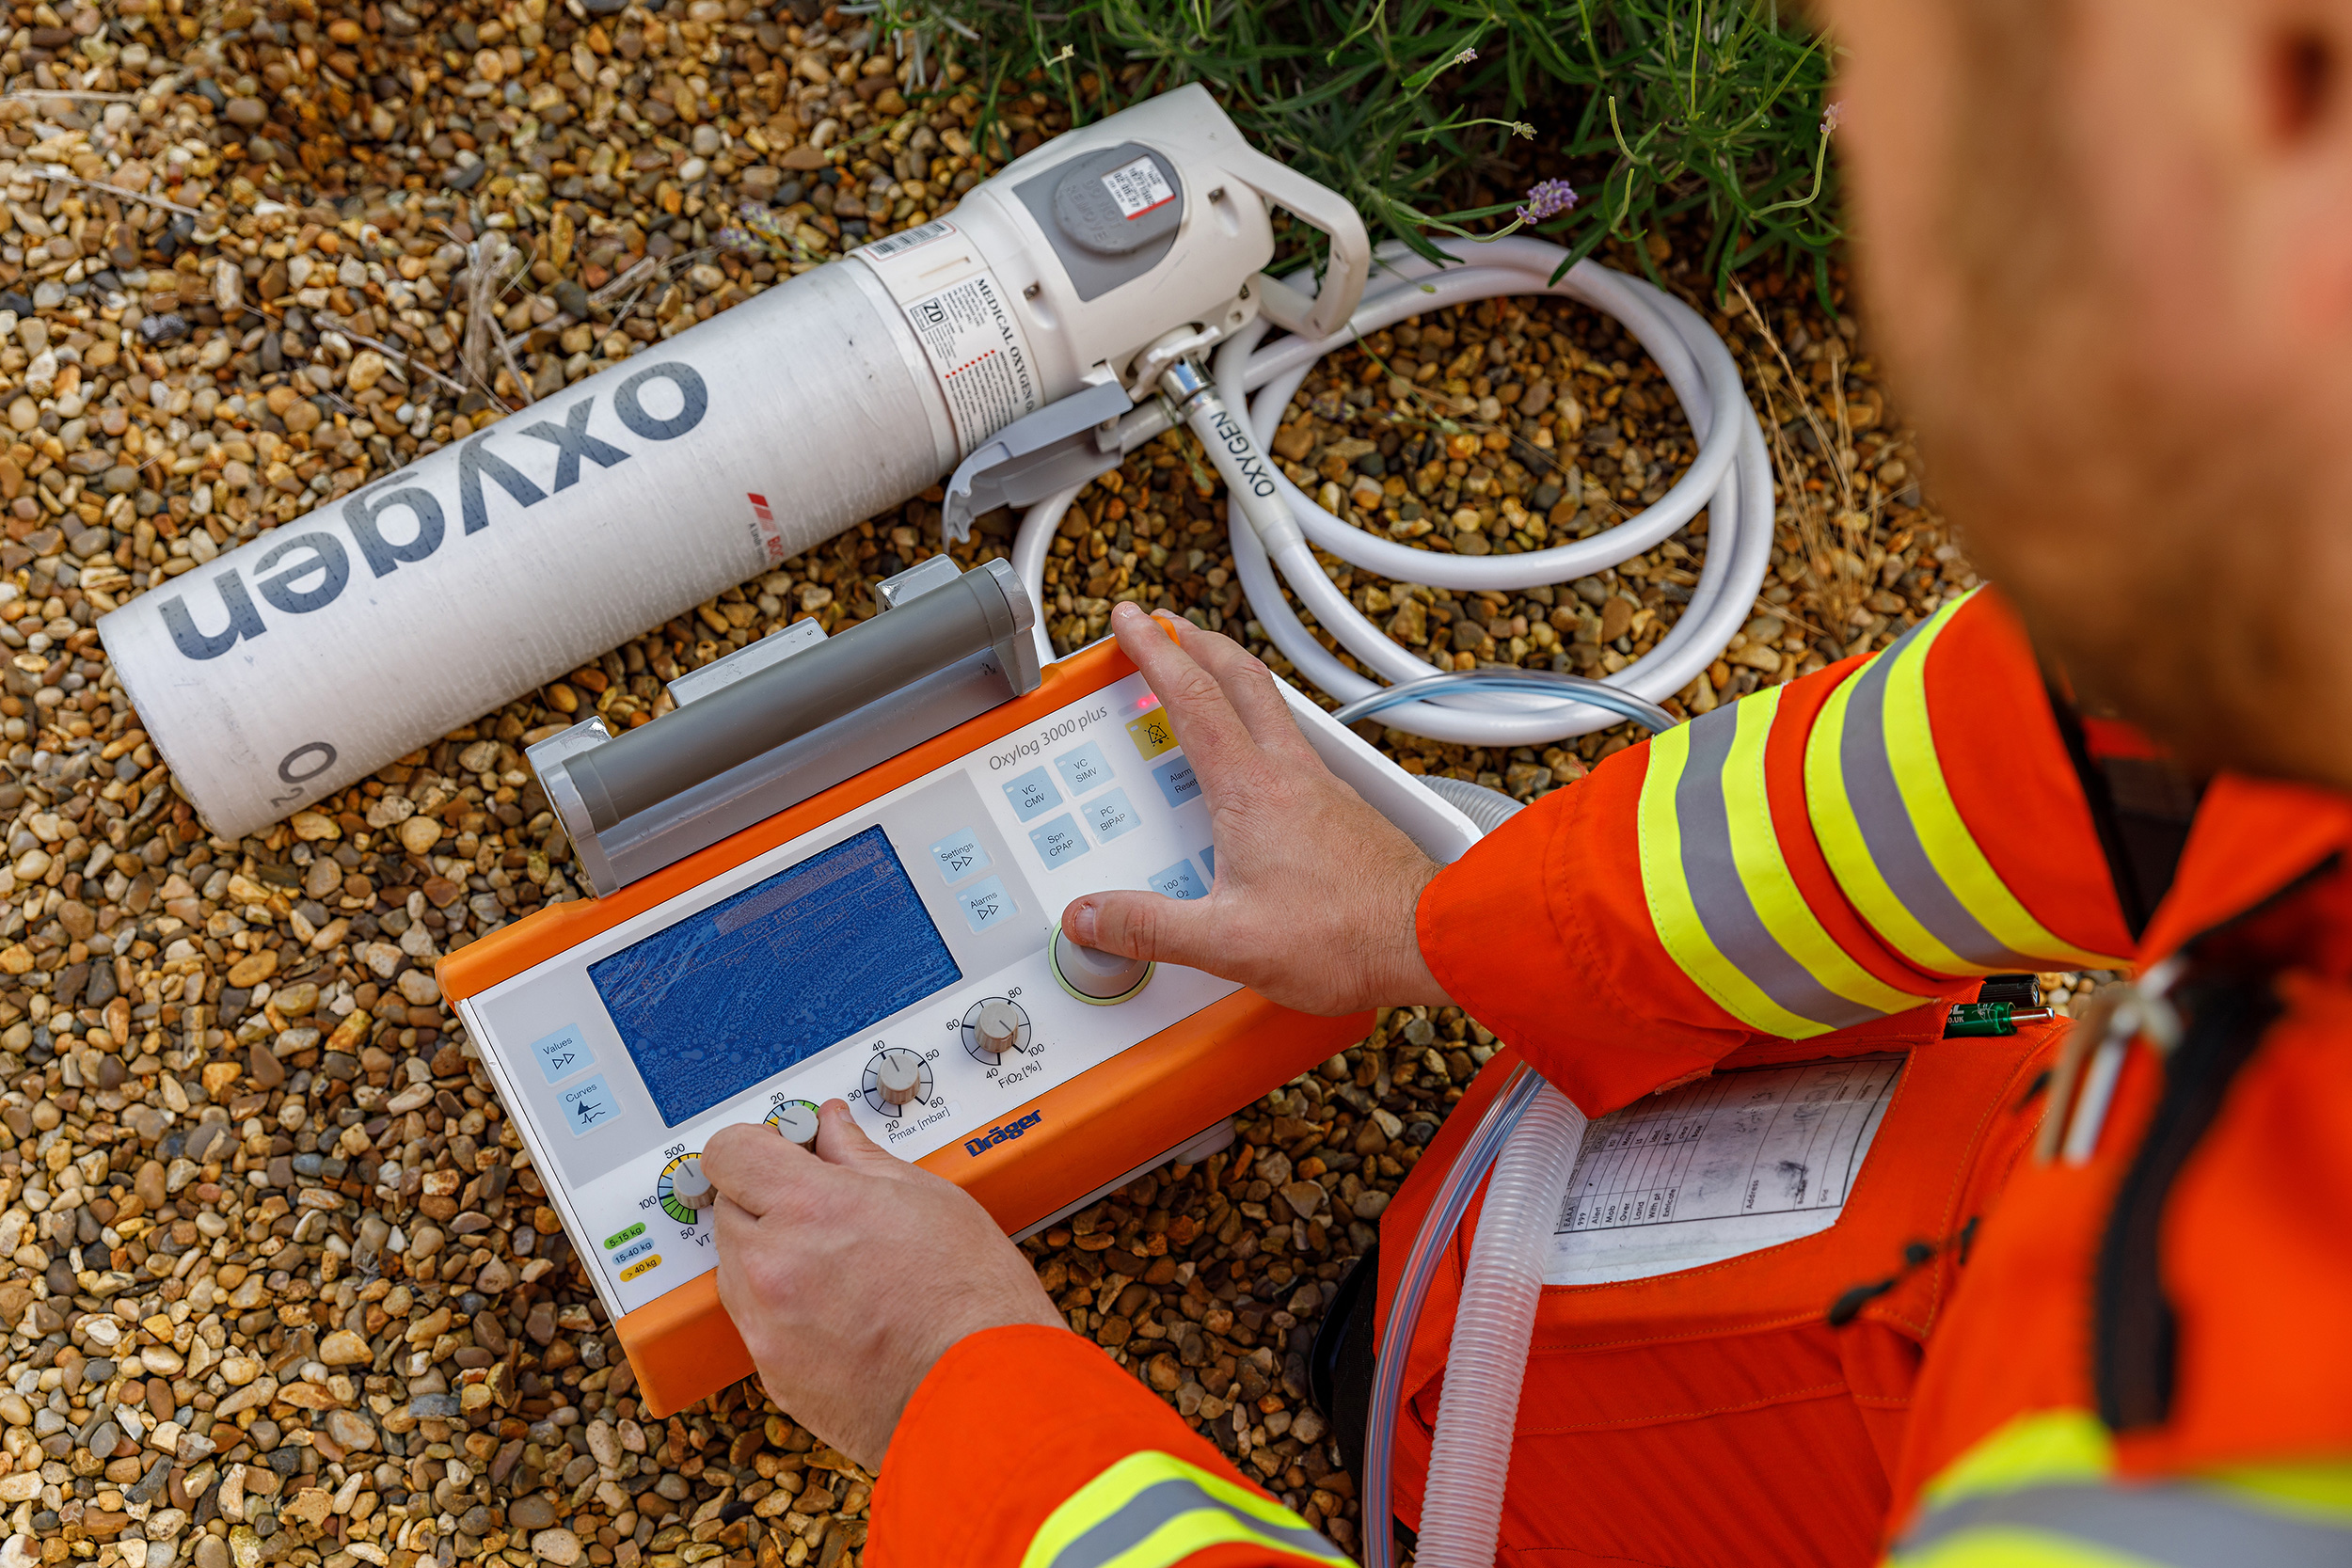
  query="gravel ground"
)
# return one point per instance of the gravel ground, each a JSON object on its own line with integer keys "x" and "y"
{"x": 277, "y": 1282}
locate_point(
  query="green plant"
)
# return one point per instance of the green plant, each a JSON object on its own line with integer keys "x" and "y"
{"x": 1663, "y": 111}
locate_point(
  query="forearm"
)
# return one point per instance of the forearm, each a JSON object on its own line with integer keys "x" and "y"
{"x": 1030, "y": 1445}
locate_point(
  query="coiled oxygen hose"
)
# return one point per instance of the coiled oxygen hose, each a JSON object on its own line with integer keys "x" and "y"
{"x": 1730, "y": 479}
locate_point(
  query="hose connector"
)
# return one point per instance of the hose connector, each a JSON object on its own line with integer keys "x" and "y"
{"x": 1248, "y": 472}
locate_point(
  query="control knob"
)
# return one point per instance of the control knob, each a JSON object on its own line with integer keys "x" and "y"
{"x": 797, "y": 1121}
{"x": 895, "y": 1079}
{"x": 994, "y": 1026}
{"x": 1092, "y": 976}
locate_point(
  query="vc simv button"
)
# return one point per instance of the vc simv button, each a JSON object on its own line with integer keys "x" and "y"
{"x": 1083, "y": 769}
{"x": 1058, "y": 842}
{"x": 1032, "y": 794}
{"x": 1092, "y": 976}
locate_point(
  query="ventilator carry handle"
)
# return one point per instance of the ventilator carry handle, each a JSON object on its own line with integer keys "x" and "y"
{"x": 1345, "y": 271}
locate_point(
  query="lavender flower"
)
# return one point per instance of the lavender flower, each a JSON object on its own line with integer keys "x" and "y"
{"x": 1547, "y": 198}
{"x": 1464, "y": 57}
{"x": 1830, "y": 116}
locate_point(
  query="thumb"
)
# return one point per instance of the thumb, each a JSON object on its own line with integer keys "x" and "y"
{"x": 1144, "y": 925}
{"x": 840, "y": 1141}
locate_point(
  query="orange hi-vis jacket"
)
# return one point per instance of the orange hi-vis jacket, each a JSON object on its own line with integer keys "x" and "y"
{"x": 2138, "y": 1353}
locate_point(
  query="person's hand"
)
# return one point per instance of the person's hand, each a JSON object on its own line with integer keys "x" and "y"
{"x": 1314, "y": 900}
{"x": 849, "y": 1272}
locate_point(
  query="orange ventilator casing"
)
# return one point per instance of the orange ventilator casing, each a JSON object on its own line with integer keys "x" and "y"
{"x": 1107, "y": 1108}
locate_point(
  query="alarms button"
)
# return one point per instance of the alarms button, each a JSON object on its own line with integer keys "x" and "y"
{"x": 1095, "y": 976}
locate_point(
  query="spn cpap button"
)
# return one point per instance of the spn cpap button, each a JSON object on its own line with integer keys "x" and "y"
{"x": 1058, "y": 842}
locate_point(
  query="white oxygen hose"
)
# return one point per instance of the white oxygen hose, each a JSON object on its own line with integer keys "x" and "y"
{"x": 1730, "y": 479}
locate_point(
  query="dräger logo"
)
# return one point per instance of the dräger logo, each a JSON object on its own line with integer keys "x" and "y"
{"x": 1005, "y": 1134}
{"x": 308, "y": 570}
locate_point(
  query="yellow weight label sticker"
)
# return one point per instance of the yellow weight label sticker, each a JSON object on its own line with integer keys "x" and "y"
{"x": 635, "y": 1269}
{"x": 1152, "y": 734}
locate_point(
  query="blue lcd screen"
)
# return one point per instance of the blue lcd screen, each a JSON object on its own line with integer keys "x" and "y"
{"x": 769, "y": 977}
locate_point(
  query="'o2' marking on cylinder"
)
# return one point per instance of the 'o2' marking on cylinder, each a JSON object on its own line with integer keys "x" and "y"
{"x": 326, "y": 760}
{"x": 286, "y": 770}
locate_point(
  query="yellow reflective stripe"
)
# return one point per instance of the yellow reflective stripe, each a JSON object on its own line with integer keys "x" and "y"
{"x": 1150, "y": 1509}
{"x": 2013, "y": 1546}
{"x": 1764, "y": 871}
{"x": 1950, "y": 846}
{"x": 1675, "y": 913}
{"x": 1894, "y": 838}
{"x": 1839, "y": 834}
{"x": 2318, "y": 1488}
{"x": 2040, "y": 1449}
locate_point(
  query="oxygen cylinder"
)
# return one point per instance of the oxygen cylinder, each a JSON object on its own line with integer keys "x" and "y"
{"x": 280, "y": 672}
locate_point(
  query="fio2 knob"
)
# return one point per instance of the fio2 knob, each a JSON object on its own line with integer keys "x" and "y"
{"x": 997, "y": 1025}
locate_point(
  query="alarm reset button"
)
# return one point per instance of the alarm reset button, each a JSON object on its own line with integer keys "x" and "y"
{"x": 1093, "y": 975}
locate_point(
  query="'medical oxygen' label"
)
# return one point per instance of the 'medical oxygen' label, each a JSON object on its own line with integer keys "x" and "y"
{"x": 977, "y": 349}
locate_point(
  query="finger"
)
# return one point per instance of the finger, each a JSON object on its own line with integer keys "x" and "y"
{"x": 840, "y": 1141}
{"x": 1211, "y": 732}
{"x": 752, "y": 1165}
{"x": 1250, "y": 687}
{"x": 1147, "y": 926}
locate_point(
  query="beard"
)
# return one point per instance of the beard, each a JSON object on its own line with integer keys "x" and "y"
{"x": 2164, "y": 523}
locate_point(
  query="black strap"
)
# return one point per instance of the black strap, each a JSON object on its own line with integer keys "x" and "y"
{"x": 2134, "y": 1332}
{"x": 2141, "y": 809}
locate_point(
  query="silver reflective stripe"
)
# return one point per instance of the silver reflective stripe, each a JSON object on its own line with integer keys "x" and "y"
{"x": 1720, "y": 896}
{"x": 2176, "y": 1526}
{"x": 1885, "y": 821}
{"x": 1156, "y": 1504}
